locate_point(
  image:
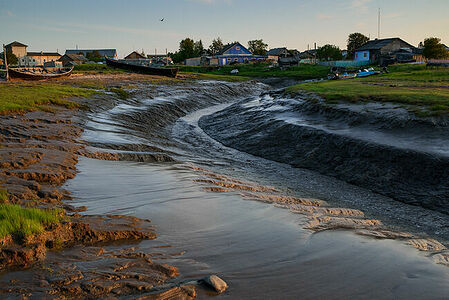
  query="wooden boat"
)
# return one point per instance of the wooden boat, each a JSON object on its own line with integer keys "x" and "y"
{"x": 37, "y": 73}
{"x": 170, "y": 72}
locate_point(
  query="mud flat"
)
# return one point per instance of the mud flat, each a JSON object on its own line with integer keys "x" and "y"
{"x": 83, "y": 256}
{"x": 263, "y": 236}
{"x": 378, "y": 146}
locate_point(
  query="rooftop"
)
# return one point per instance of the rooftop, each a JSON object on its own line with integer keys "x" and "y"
{"x": 43, "y": 54}
{"x": 379, "y": 44}
{"x": 16, "y": 44}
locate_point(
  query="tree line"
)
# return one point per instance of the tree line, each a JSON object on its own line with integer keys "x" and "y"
{"x": 188, "y": 48}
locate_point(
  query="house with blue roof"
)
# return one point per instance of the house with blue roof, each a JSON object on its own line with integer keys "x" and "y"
{"x": 236, "y": 53}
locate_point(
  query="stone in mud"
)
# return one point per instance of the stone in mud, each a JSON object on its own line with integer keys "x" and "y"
{"x": 216, "y": 283}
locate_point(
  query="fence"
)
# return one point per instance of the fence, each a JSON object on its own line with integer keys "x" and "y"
{"x": 345, "y": 63}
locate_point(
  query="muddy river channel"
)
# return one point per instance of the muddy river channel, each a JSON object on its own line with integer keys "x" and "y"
{"x": 196, "y": 162}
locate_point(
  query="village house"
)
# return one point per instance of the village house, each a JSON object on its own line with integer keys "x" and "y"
{"x": 16, "y": 48}
{"x": 72, "y": 60}
{"x": 381, "y": 50}
{"x": 38, "y": 58}
{"x": 111, "y": 53}
{"x": 135, "y": 55}
{"x": 236, "y": 53}
{"x": 274, "y": 54}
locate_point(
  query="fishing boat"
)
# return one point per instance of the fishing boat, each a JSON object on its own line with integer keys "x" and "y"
{"x": 169, "y": 72}
{"x": 38, "y": 73}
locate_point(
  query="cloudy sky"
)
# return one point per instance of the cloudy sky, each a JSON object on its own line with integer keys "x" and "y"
{"x": 52, "y": 25}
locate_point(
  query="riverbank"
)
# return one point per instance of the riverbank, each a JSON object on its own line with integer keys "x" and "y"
{"x": 267, "y": 228}
{"x": 40, "y": 145}
{"x": 420, "y": 89}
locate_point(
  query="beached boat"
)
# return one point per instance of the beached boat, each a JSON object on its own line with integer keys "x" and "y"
{"x": 366, "y": 73}
{"x": 38, "y": 73}
{"x": 170, "y": 72}
{"x": 345, "y": 76}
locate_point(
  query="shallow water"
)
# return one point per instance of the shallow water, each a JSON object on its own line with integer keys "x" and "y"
{"x": 262, "y": 251}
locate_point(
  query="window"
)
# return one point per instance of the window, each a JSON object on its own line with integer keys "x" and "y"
{"x": 237, "y": 48}
{"x": 365, "y": 54}
{"x": 236, "y": 59}
{"x": 229, "y": 59}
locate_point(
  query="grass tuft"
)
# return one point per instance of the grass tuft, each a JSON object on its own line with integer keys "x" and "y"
{"x": 122, "y": 94}
{"x": 21, "y": 96}
{"x": 22, "y": 222}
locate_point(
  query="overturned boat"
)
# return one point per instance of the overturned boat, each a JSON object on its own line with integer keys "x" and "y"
{"x": 169, "y": 72}
{"x": 38, "y": 73}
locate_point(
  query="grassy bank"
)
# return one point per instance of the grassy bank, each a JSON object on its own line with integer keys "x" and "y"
{"x": 96, "y": 69}
{"x": 416, "y": 85}
{"x": 23, "y": 96}
{"x": 262, "y": 70}
{"x": 21, "y": 222}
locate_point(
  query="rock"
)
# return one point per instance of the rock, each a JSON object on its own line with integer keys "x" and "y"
{"x": 216, "y": 283}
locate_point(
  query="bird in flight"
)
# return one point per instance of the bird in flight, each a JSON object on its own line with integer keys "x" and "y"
{"x": 162, "y": 20}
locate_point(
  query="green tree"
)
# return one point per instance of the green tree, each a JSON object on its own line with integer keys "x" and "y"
{"x": 355, "y": 40}
{"x": 434, "y": 49}
{"x": 94, "y": 56}
{"x": 257, "y": 47}
{"x": 198, "y": 48}
{"x": 216, "y": 46}
{"x": 328, "y": 53}
{"x": 186, "y": 48}
{"x": 11, "y": 58}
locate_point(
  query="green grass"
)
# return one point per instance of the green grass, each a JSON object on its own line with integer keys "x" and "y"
{"x": 22, "y": 222}
{"x": 263, "y": 70}
{"x": 230, "y": 78}
{"x": 20, "y": 96}
{"x": 417, "y": 85}
{"x": 122, "y": 94}
{"x": 3, "y": 196}
{"x": 96, "y": 68}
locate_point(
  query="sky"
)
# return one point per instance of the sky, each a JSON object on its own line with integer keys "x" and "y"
{"x": 50, "y": 25}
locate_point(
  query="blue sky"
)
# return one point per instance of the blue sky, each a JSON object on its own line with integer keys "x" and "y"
{"x": 51, "y": 25}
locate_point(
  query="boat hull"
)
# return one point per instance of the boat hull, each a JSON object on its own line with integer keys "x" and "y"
{"x": 169, "y": 72}
{"x": 17, "y": 74}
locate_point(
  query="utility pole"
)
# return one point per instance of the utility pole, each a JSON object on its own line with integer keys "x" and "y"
{"x": 6, "y": 62}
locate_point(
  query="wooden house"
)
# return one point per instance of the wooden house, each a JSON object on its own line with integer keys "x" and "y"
{"x": 111, "y": 53}
{"x": 274, "y": 54}
{"x": 72, "y": 60}
{"x": 38, "y": 58}
{"x": 236, "y": 53}
{"x": 135, "y": 55}
{"x": 16, "y": 48}
{"x": 381, "y": 50}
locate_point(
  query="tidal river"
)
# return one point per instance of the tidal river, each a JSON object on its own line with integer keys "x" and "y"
{"x": 271, "y": 230}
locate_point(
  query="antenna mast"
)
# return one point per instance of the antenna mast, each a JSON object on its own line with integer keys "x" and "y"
{"x": 378, "y": 25}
